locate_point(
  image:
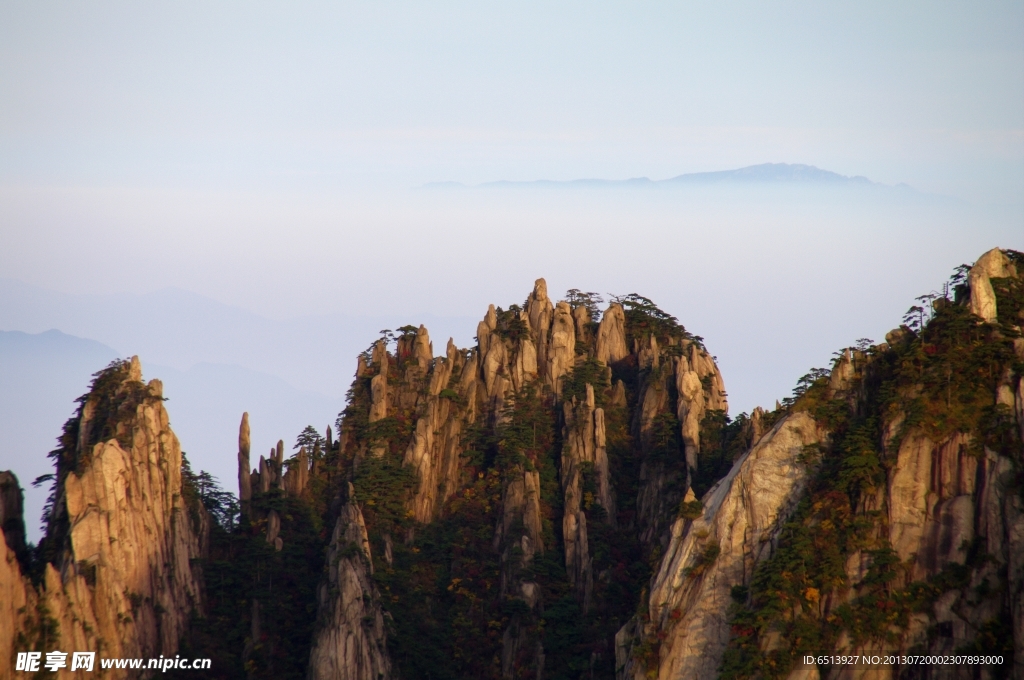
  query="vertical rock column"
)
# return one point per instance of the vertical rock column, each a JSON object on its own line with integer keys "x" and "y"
{"x": 524, "y": 365}
{"x": 660, "y": 481}
{"x": 584, "y": 437}
{"x": 276, "y": 470}
{"x": 17, "y": 596}
{"x": 244, "y": 474}
{"x": 493, "y": 353}
{"x": 581, "y": 316}
{"x": 436, "y": 444}
{"x": 263, "y": 474}
{"x": 279, "y": 464}
{"x": 540, "y": 311}
{"x": 379, "y": 390}
{"x": 379, "y": 383}
{"x": 692, "y": 371}
{"x": 349, "y": 640}
{"x": 520, "y": 510}
{"x": 993, "y": 264}
{"x": 12, "y": 523}
{"x": 562, "y": 348}
{"x": 605, "y": 491}
{"x": 611, "y": 335}
{"x": 297, "y": 478}
{"x": 699, "y": 389}
{"x": 423, "y": 349}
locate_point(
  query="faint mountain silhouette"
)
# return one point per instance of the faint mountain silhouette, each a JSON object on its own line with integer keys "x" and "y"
{"x": 765, "y": 173}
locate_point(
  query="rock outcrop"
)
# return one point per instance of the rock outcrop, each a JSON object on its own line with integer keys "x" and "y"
{"x": 688, "y": 607}
{"x": 539, "y": 312}
{"x": 701, "y": 389}
{"x": 993, "y": 264}
{"x": 534, "y": 350}
{"x": 584, "y": 454}
{"x": 244, "y": 475}
{"x": 12, "y": 521}
{"x": 350, "y": 642}
{"x": 939, "y": 527}
{"x": 123, "y": 538}
{"x": 291, "y": 476}
{"x": 436, "y": 444}
{"x": 496, "y": 511}
{"x": 518, "y": 538}
{"x": 611, "y": 336}
{"x": 18, "y": 599}
{"x": 561, "y": 347}
{"x": 681, "y": 369}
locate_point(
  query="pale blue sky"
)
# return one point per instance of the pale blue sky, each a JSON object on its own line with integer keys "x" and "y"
{"x": 244, "y": 94}
{"x": 266, "y": 155}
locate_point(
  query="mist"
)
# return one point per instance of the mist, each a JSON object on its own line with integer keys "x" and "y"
{"x": 237, "y": 193}
{"x": 269, "y": 315}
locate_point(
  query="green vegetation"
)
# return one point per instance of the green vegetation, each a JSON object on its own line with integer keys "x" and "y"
{"x": 644, "y": 318}
{"x": 243, "y": 567}
{"x": 309, "y": 438}
{"x": 940, "y": 377}
{"x": 510, "y": 324}
{"x": 589, "y": 372}
{"x": 111, "y": 401}
{"x": 442, "y": 588}
{"x": 589, "y": 301}
{"x": 441, "y": 582}
{"x": 383, "y": 485}
{"x": 703, "y": 561}
{"x": 204, "y": 489}
{"x": 690, "y": 509}
{"x": 722, "y": 441}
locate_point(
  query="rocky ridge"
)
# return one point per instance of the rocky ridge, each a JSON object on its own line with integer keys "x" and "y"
{"x": 429, "y": 413}
{"x": 567, "y": 498}
{"x": 913, "y": 475}
{"x": 120, "y": 575}
{"x": 709, "y": 554}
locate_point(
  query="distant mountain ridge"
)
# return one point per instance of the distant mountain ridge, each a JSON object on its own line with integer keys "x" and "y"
{"x": 41, "y": 375}
{"x": 179, "y": 328}
{"x": 790, "y": 173}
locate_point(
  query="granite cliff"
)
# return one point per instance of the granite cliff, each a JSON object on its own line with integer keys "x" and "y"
{"x": 521, "y": 480}
{"x": 881, "y": 513}
{"x": 117, "y": 572}
{"x": 568, "y": 498}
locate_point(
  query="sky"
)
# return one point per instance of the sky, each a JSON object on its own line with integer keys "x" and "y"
{"x": 271, "y": 95}
{"x": 270, "y": 157}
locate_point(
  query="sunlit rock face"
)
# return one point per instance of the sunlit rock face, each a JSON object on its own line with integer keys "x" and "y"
{"x": 122, "y": 540}
{"x": 708, "y": 555}
{"x": 918, "y": 442}
{"x": 567, "y": 496}
{"x": 351, "y": 641}
{"x": 557, "y": 358}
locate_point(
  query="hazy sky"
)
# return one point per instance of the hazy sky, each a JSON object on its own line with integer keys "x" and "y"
{"x": 264, "y": 95}
{"x": 267, "y": 155}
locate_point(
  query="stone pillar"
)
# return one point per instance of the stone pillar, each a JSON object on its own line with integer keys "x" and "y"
{"x": 279, "y": 464}
{"x": 12, "y": 521}
{"x": 244, "y": 474}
